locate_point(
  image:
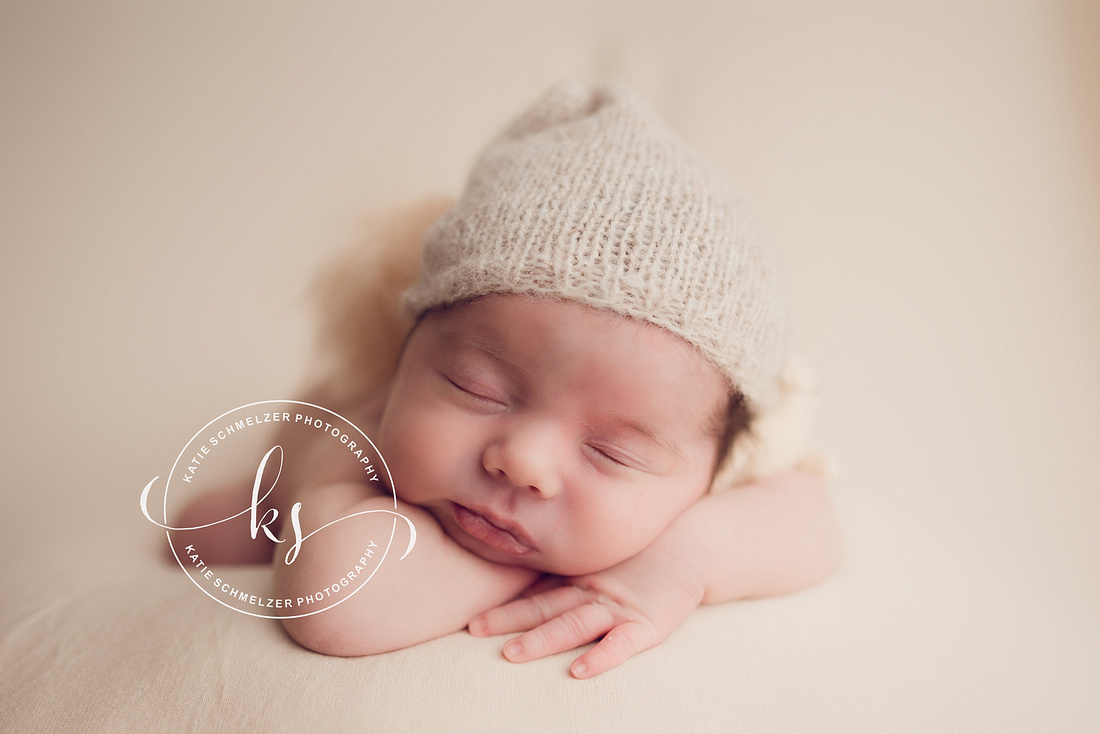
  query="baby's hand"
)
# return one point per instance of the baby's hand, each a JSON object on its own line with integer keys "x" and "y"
{"x": 633, "y": 606}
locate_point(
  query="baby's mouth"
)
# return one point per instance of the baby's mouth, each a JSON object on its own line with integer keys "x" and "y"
{"x": 502, "y": 538}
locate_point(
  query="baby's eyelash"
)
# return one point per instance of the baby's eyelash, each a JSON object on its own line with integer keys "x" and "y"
{"x": 606, "y": 457}
{"x": 474, "y": 395}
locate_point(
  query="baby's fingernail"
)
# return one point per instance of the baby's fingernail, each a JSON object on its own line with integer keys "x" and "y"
{"x": 578, "y": 669}
{"x": 512, "y": 648}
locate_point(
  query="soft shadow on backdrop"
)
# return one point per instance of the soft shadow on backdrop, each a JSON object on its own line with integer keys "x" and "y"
{"x": 170, "y": 175}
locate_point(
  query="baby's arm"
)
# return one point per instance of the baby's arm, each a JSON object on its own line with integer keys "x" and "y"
{"x": 774, "y": 536}
{"x": 433, "y": 591}
{"x": 770, "y": 537}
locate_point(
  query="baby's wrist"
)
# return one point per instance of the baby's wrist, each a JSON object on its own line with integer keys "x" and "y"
{"x": 678, "y": 559}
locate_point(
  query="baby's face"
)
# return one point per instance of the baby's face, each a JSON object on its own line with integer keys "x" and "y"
{"x": 548, "y": 434}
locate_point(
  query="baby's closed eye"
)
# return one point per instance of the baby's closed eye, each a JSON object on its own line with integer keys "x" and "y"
{"x": 477, "y": 391}
{"x": 611, "y": 456}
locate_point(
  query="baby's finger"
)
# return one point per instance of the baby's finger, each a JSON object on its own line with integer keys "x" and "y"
{"x": 620, "y": 643}
{"x": 544, "y": 584}
{"x": 572, "y": 628}
{"x": 524, "y": 614}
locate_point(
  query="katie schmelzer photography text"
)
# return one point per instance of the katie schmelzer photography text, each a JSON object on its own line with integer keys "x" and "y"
{"x": 333, "y": 592}
{"x": 243, "y": 436}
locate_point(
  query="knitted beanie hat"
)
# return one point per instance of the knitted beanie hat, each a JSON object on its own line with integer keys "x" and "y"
{"x": 589, "y": 197}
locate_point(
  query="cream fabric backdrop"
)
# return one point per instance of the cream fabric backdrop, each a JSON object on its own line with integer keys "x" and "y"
{"x": 171, "y": 174}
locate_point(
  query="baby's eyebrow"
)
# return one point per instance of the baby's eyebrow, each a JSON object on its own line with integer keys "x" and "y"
{"x": 494, "y": 350}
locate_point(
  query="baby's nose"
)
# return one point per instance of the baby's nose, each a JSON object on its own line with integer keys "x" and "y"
{"x": 525, "y": 460}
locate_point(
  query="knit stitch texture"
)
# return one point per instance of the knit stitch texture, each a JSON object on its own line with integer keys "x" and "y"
{"x": 589, "y": 197}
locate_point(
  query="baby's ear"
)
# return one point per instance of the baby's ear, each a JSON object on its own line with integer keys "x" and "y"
{"x": 356, "y": 301}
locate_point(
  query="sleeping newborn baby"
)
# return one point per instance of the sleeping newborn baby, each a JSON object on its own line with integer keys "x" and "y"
{"x": 596, "y": 325}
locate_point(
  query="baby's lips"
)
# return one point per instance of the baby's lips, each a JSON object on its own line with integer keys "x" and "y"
{"x": 501, "y": 537}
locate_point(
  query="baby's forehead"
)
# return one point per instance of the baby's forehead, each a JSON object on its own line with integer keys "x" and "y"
{"x": 530, "y": 332}
{"x": 603, "y": 321}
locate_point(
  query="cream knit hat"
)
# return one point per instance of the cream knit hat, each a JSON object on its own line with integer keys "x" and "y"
{"x": 589, "y": 197}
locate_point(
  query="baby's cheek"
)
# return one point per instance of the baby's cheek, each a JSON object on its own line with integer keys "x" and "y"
{"x": 598, "y": 535}
{"x": 403, "y": 448}
{"x": 417, "y": 447}
{"x": 620, "y": 530}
